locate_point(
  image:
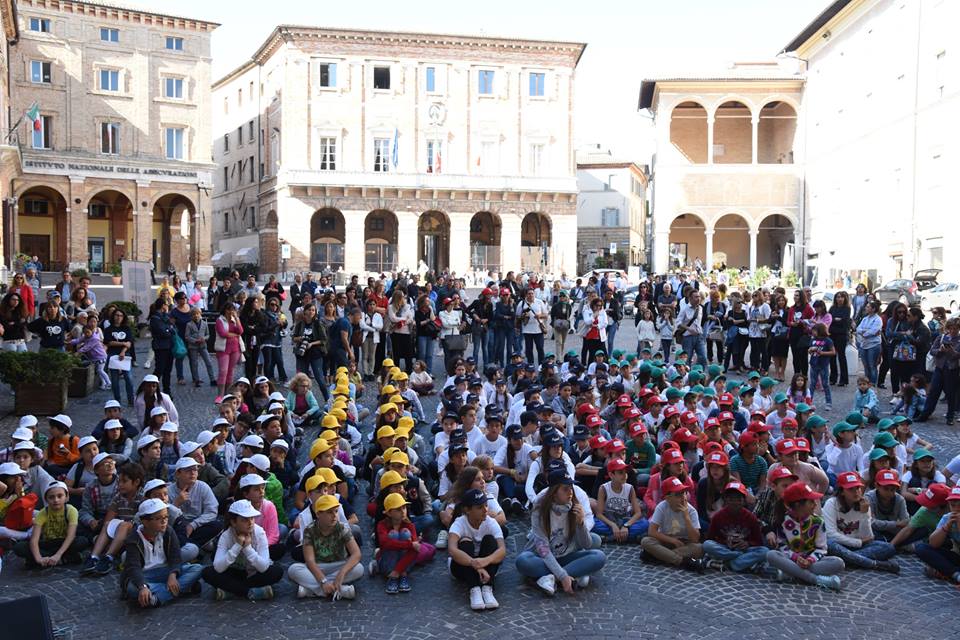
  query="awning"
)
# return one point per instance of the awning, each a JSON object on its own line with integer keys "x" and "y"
{"x": 220, "y": 259}
{"x": 247, "y": 255}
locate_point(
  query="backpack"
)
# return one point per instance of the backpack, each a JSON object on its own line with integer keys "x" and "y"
{"x": 20, "y": 512}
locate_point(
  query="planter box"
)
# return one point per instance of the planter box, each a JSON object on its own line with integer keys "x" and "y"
{"x": 83, "y": 381}
{"x": 46, "y": 399}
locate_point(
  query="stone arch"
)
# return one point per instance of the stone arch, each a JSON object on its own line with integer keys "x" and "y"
{"x": 485, "y": 234}
{"x": 689, "y": 130}
{"x": 109, "y": 228}
{"x": 687, "y": 239}
{"x": 271, "y": 221}
{"x": 327, "y": 239}
{"x": 719, "y": 101}
{"x": 41, "y": 225}
{"x": 170, "y": 243}
{"x": 433, "y": 240}
{"x": 733, "y": 133}
{"x": 380, "y": 231}
{"x": 776, "y": 131}
{"x": 731, "y": 239}
{"x": 536, "y": 236}
{"x": 775, "y": 230}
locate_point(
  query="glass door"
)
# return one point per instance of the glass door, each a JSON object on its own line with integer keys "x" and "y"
{"x": 95, "y": 253}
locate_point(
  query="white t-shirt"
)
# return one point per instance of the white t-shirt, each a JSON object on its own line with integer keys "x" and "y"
{"x": 672, "y": 523}
{"x": 521, "y": 458}
{"x": 537, "y": 307}
{"x": 489, "y": 527}
{"x": 489, "y": 448}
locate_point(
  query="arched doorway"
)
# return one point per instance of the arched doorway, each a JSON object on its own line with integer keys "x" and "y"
{"x": 380, "y": 241}
{"x": 109, "y": 229}
{"x": 732, "y": 134}
{"x": 485, "y": 241}
{"x": 536, "y": 235}
{"x": 775, "y": 133}
{"x": 731, "y": 241}
{"x": 327, "y": 237}
{"x": 170, "y": 246}
{"x": 688, "y": 241}
{"x": 433, "y": 233}
{"x": 775, "y": 233}
{"x": 688, "y": 131}
{"x": 42, "y": 226}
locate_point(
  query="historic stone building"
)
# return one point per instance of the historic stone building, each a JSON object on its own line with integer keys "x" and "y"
{"x": 116, "y": 153}
{"x": 371, "y": 151}
{"x": 9, "y": 151}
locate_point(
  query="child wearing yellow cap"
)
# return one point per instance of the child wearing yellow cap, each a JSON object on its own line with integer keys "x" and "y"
{"x": 331, "y": 556}
{"x": 398, "y": 543}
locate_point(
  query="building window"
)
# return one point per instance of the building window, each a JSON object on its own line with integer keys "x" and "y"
{"x": 434, "y": 156}
{"x": 41, "y": 25}
{"x": 39, "y": 72}
{"x": 250, "y": 168}
{"x": 328, "y": 75}
{"x": 610, "y": 217}
{"x": 381, "y": 155}
{"x": 226, "y": 222}
{"x": 110, "y": 138}
{"x": 173, "y": 88}
{"x": 109, "y": 80}
{"x": 226, "y": 178}
{"x": 536, "y": 158}
{"x": 250, "y": 130}
{"x": 381, "y": 78}
{"x": 537, "y": 82}
{"x": 240, "y": 136}
{"x": 36, "y": 207}
{"x": 42, "y": 137}
{"x": 174, "y": 139}
{"x": 239, "y": 169}
{"x": 97, "y": 210}
{"x": 226, "y": 142}
{"x": 109, "y": 35}
{"x": 485, "y": 84}
{"x": 431, "y": 79}
{"x": 174, "y": 44}
{"x": 377, "y": 223}
{"x": 328, "y": 154}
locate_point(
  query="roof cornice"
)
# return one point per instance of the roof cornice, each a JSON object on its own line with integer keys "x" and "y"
{"x": 108, "y": 9}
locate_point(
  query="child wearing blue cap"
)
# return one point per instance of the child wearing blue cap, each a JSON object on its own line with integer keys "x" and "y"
{"x": 476, "y": 549}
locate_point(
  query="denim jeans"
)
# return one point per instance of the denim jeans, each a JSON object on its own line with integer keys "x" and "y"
{"x": 115, "y": 375}
{"x": 943, "y": 559}
{"x": 200, "y": 354}
{"x": 509, "y": 488}
{"x": 865, "y": 557}
{"x": 577, "y": 564}
{"x": 944, "y": 381}
{"x": 611, "y": 335}
{"x": 425, "y": 348}
{"x": 273, "y": 363}
{"x": 502, "y": 346}
{"x": 156, "y": 580}
{"x": 18, "y": 346}
{"x": 738, "y": 560}
{"x": 695, "y": 345}
{"x": 870, "y": 357}
{"x": 821, "y": 372}
{"x": 634, "y": 532}
{"x": 316, "y": 366}
{"x": 531, "y": 340}
{"x": 480, "y": 347}
{"x": 665, "y": 346}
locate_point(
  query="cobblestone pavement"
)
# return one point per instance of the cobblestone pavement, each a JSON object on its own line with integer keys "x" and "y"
{"x": 628, "y": 599}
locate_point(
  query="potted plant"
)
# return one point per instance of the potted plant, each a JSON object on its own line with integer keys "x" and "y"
{"x": 39, "y": 380}
{"x": 115, "y": 272}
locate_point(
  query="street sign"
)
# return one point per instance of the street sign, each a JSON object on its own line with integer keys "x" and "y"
{"x": 285, "y": 251}
{"x": 613, "y": 248}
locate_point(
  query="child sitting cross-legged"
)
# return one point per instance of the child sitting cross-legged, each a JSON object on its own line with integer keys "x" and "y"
{"x": 54, "y": 538}
{"x": 398, "y": 542}
{"x": 734, "y": 538}
{"x": 118, "y": 522}
{"x": 619, "y": 515}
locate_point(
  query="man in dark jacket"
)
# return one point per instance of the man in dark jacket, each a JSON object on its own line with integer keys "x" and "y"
{"x": 153, "y": 573}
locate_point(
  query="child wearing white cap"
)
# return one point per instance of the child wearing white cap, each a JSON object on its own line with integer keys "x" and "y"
{"x": 195, "y": 498}
{"x": 242, "y": 565}
{"x": 35, "y": 478}
{"x": 98, "y": 495}
{"x": 22, "y": 434}
{"x": 61, "y": 447}
{"x": 116, "y": 441}
{"x": 252, "y": 488}
{"x": 82, "y": 473}
{"x": 53, "y": 539}
{"x": 158, "y": 489}
{"x": 148, "y": 455}
{"x": 170, "y": 445}
{"x": 150, "y": 396}
{"x": 11, "y": 481}
{"x": 112, "y": 410}
{"x": 118, "y": 521}
{"x": 154, "y": 572}
{"x": 218, "y": 483}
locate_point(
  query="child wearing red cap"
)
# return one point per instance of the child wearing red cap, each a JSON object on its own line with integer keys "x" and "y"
{"x": 849, "y": 526}
{"x": 802, "y": 541}
{"x": 670, "y": 423}
{"x": 641, "y": 454}
{"x": 672, "y": 466}
{"x": 748, "y": 467}
{"x": 734, "y": 538}
{"x": 673, "y": 536}
{"x": 887, "y": 506}
{"x": 939, "y": 554}
{"x": 711, "y": 487}
{"x": 769, "y": 507}
{"x": 933, "y": 504}
{"x": 615, "y": 450}
{"x": 619, "y": 516}
{"x": 788, "y": 452}
{"x": 653, "y": 418}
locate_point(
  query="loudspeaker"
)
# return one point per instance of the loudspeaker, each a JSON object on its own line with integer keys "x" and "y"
{"x": 26, "y": 619}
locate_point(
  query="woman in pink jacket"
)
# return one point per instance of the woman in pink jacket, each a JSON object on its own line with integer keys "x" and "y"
{"x": 227, "y": 345}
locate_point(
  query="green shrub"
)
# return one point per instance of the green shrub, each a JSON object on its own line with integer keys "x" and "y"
{"x": 79, "y": 273}
{"x": 44, "y": 366}
{"x": 115, "y": 269}
{"x": 130, "y": 308}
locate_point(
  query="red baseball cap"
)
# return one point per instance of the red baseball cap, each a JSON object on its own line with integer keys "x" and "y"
{"x": 616, "y": 464}
{"x": 652, "y": 400}
{"x": 758, "y": 414}
{"x": 669, "y": 444}
{"x": 717, "y": 457}
{"x": 644, "y": 392}
{"x": 672, "y": 485}
{"x": 788, "y": 422}
{"x": 616, "y": 445}
{"x": 637, "y": 428}
{"x": 800, "y": 491}
{"x": 598, "y": 442}
{"x": 710, "y": 423}
{"x": 803, "y": 444}
{"x": 624, "y": 401}
{"x": 446, "y": 301}
{"x": 688, "y": 417}
{"x": 759, "y": 427}
{"x": 780, "y": 473}
{"x": 670, "y": 411}
{"x": 736, "y": 486}
{"x": 726, "y": 416}
{"x": 671, "y": 456}
{"x": 684, "y": 435}
{"x": 849, "y": 480}
{"x": 747, "y": 437}
{"x": 487, "y": 292}
{"x": 954, "y": 494}
{"x": 725, "y": 399}
{"x": 586, "y": 408}
{"x": 593, "y": 420}
{"x": 933, "y": 496}
{"x": 631, "y": 413}
{"x": 786, "y": 447}
{"x": 887, "y": 478}
{"x": 504, "y": 291}
{"x": 711, "y": 446}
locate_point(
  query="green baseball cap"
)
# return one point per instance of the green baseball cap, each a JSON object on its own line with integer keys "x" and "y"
{"x": 697, "y": 388}
{"x": 766, "y": 382}
{"x": 855, "y": 417}
{"x": 901, "y": 420}
{"x": 840, "y": 427}
{"x": 710, "y": 392}
{"x": 600, "y": 352}
{"x": 815, "y": 421}
{"x": 731, "y": 385}
{"x": 884, "y": 439}
{"x": 885, "y": 424}
{"x": 645, "y": 368}
{"x": 694, "y": 376}
{"x": 630, "y": 356}
{"x": 876, "y": 454}
{"x": 656, "y": 372}
{"x": 714, "y": 370}
{"x": 571, "y": 353}
{"x": 803, "y": 407}
{"x": 922, "y": 453}
{"x": 753, "y": 375}
{"x": 617, "y": 353}
{"x": 780, "y": 397}
{"x": 744, "y": 390}
{"x": 673, "y": 393}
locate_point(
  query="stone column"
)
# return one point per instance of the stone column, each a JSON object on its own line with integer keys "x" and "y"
{"x": 76, "y": 240}
{"x": 407, "y": 257}
{"x": 661, "y": 251}
{"x": 460, "y": 242}
{"x": 755, "y": 121}
{"x": 142, "y": 249}
{"x": 293, "y": 219}
{"x": 708, "y": 259}
{"x": 354, "y": 249}
{"x": 269, "y": 252}
{"x": 710, "y": 122}
{"x": 753, "y": 250}
{"x": 201, "y": 244}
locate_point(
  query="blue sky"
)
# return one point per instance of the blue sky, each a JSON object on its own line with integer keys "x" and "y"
{"x": 626, "y": 40}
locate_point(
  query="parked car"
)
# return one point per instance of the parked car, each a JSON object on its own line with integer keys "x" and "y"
{"x": 908, "y": 291}
{"x": 945, "y": 294}
{"x": 599, "y": 273}
{"x": 629, "y": 297}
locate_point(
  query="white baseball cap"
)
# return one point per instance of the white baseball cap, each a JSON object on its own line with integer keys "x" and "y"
{"x": 111, "y": 404}
{"x": 23, "y": 433}
{"x": 250, "y": 480}
{"x": 169, "y": 427}
{"x": 28, "y": 421}
{"x": 100, "y": 457}
{"x": 276, "y": 395}
{"x": 150, "y": 506}
{"x": 188, "y": 447}
{"x": 259, "y": 460}
{"x": 11, "y": 469}
{"x": 25, "y": 445}
{"x": 56, "y": 484}
{"x": 261, "y": 379}
{"x": 276, "y": 405}
{"x": 244, "y": 509}
{"x": 112, "y": 424}
{"x": 186, "y": 463}
{"x": 84, "y": 441}
{"x": 150, "y": 378}
{"x": 245, "y": 380}
{"x": 153, "y": 484}
{"x": 63, "y": 419}
{"x": 205, "y": 437}
{"x": 159, "y": 410}
{"x": 220, "y": 421}
{"x": 252, "y": 440}
{"x": 280, "y": 443}
{"x": 146, "y": 440}
{"x": 227, "y": 396}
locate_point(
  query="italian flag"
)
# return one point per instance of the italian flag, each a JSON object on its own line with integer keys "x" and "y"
{"x": 33, "y": 116}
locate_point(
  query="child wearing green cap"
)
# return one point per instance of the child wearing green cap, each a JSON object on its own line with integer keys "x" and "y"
{"x": 844, "y": 453}
{"x": 923, "y": 472}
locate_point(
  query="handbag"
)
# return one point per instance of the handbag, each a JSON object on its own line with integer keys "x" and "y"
{"x": 561, "y": 326}
{"x": 20, "y": 512}
{"x": 179, "y": 348}
{"x": 454, "y": 343}
{"x": 904, "y": 352}
{"x": 116, "y": 364}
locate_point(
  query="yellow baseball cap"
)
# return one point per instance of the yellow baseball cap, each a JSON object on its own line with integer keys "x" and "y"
{"x": 342, "y": 370}
{"x": 388, "y": 454}
{"x": 319, "y": 446}
{"x": 390, "y": 478}
{"x": 386, "y": 432}
{"x": 328, "y": 475}
{"x": 342, "y": 390}
{"x": 405, "y": 422}
{"x": 398, "y": 399}
{"x": 312, "y": 483}
{"x": 400, "y": 458}
{"x": 394, "y": 501}
{"x": 394, "y": 371}
{"x": 330, "y": 422}
{"x": 388, "y": 390}
{"x": 329, "y": 435}
{"x": 325, "y": 503}
{"x": 387, "y": 362}
{"x": 401, "y": 376}
{"x": 403, "y": 432}
{"x": 389, "y": 406}
{"x": 338, "y": 413}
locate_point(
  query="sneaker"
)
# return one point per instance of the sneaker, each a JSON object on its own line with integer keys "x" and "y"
{"x": 393, "y": 588}
{"x": 104, "y": 565}
{"x": 303, "y": 592}
{"x": 930, "y": 572}
{"x": 147, "y": 365}
{"x": 260, "y": 593}
{"x": 693, "y": 564}
{"x": 716, "y": 565}
{"x": 831, "y": 583}
{"x": 220, "y": 595}
{"x": 583, "y": 582}
{"x": 403, "y": 584}
{"x": 518, "y": 507}
{"x": 89, "y": 566}
{"x": 476, "y": 599}
{"x": 548, "y": 584}
{"x": 372, "y": 567}
{"x": 890, "y": 566}
{"x": 441, "y": 539}
{"x": 829, "y": 407}
{"x": 347, "y": 592}
{"x": 489, "y": 602}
